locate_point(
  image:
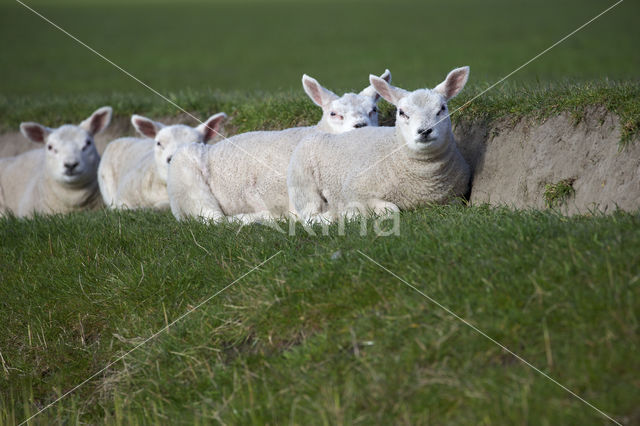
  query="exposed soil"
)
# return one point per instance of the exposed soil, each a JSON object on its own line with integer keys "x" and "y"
{"x": 512, "y": 162}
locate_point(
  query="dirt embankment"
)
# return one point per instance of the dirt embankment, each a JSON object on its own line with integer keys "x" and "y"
{"x": 513, "y": 163}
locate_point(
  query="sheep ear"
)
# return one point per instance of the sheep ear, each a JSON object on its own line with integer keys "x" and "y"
{"x": 145, "y": 126}
{"x": 370, "y": 91}
{"x": 35, "y": 132}
{"x": 211, "y": 127}
{"x": 98, "y": 121}
{"x": 388, "y": 92}
{"x": 453, "y": 84}
{"x": 318, "y": 94}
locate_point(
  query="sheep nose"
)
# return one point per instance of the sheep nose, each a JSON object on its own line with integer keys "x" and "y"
{"x": 357, "y": 126}
{"x": 169, "y": 159}
{"x": 425, "y": 132}
{"x": 70, "y": 166}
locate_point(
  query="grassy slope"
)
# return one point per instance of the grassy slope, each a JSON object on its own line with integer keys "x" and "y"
{"x": 258, "y": 110}
{"x": 314, "y": 336}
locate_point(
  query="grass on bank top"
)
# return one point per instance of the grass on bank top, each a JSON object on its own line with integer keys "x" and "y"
{"x": 262, "y": 110}
{"x": 259, "y": 45}
{"x": 319, "y": 334}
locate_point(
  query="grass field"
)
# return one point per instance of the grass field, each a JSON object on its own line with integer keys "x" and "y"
{"x": 319, "y": 334}
{"x": 222, "y": 55}
{"x": 264, "y": 45}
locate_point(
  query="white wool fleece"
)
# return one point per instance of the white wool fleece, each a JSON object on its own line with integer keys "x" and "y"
{"x": 59, "y": 178}
{"x": 377, "y": 170}
{"x": 133, "y": 171}
{"x": 244, "y": 177}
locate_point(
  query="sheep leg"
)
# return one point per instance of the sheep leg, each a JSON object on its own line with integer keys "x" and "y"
{"x": 189, "y": 191}
{"x": 248, "y": 218}
{"x": 307, "y": 200}
{"x": 107, "y": 183}
{"x": 321, "y": 218}
{"x": 207, "y": 208}
{"x": 382, "y": 208}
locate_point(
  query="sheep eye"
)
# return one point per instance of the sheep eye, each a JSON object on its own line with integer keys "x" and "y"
{"x": 49, "y": 147}
{"x": 158, "y": 143}
{"x": 86, "y": 145}
{"x": 403, "y": 114}
{"x": 333, "y": 114}
{"x": 373, "y": 111}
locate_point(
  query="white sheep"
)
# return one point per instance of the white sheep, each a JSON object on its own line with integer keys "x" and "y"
{"x": 133, "y": 171}
{"x": 245, "y": 175}
{"x": 59, "y": 178}
{"x": 385, "y": 169}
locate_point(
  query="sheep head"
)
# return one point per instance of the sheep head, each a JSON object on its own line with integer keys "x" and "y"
{"x": 423, "y": 115}
{"x": 347, "y": 112}
{"x": 71, "y": 155}
{"x": 168, "y": 139}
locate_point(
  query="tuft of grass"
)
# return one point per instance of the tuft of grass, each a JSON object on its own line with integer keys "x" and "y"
{"x": 312, "y": 337}
{"x": 556, "y": 194}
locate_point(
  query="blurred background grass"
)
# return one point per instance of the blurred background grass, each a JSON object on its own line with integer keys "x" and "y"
{"x": 259, "y": 45}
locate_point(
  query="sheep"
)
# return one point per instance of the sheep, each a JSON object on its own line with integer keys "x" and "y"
{"x": 383, "y": 170}
{"x": 58, "y": 178}
{"x": 244, "y": 177}
{"x": 133, "y": 171}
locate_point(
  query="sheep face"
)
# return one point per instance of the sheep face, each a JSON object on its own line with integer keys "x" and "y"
{"x": 347, "y": 112}
{"x": 422, "y": 117}
{"x": 168, "y": 139}
{"x": 71, "y": 155}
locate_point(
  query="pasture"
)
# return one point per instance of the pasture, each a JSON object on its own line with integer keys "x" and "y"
{"x": 319, "y": 333}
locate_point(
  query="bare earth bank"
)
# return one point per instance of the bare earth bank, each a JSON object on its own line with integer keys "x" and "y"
{"x": 512, "y": 162}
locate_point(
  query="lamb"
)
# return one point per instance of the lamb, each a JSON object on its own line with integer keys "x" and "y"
{"x": 133, "y": 171}
{"x": 383, "y": 170}
{"x": 244, "y": 177}
{"x": 59, "y": 178}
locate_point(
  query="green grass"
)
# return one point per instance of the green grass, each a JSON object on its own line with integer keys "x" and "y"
{"x": 263, "y": 110}
{"x": 246, "y": 57}
{"x": 319, "y": 334}
{"x": 556, "y": 194}
{"x": 260, "y": 45}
